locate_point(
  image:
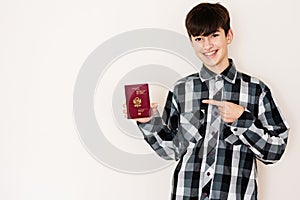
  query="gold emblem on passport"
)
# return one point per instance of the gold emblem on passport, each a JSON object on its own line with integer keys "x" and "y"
{"x": 137, "y": 102}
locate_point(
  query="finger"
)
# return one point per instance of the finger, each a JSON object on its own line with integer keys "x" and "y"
{"x": 213, "y": 102}
{"x": 153, "y": 112}
{"x": 222, "y": 112}
{"x": 153, "y": 105}
{"x": 143, "y": 120}
{"x": 223, "y": 109}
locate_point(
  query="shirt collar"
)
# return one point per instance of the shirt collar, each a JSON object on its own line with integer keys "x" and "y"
{"x": 229, "y": 74}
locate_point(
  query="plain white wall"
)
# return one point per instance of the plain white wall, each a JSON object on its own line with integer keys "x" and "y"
{"x": 43, "y": 45}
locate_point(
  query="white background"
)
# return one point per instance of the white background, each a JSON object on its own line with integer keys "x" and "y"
{"x": 42, "y": 47}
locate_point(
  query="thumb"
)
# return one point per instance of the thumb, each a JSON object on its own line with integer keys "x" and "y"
{"x": 154, "y": 105}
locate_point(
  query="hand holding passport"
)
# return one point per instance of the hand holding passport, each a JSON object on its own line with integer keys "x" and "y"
{"x": 138, "y": 102}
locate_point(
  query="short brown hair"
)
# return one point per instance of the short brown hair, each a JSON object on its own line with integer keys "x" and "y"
{"x": 206, "y": 18}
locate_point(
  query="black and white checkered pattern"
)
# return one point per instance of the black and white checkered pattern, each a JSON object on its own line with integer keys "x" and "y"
{"x": 182, "y": 133}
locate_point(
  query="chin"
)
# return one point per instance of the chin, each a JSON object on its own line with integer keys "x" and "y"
{"x": 210, "y": 64}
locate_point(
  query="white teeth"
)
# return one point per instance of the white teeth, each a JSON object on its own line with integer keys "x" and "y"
{"x": 210, "y": 53}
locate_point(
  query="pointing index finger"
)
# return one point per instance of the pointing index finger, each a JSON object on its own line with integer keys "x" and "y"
{"x": 213, "y": 102}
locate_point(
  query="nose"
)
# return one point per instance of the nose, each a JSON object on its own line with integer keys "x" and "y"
{"x": 207, "y": 44}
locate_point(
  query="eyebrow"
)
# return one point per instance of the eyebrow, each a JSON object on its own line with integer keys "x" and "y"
{"x": 217, "y": 31}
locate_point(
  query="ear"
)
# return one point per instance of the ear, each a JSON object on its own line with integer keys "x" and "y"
{"x": 229, "y": 36}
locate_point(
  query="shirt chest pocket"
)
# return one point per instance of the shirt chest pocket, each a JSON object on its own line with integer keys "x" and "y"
{"x": 191, "y": 125}
{"x": 230, "y": 137}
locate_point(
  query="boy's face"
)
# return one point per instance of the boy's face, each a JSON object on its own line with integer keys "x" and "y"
{"x": 212, "y": 49}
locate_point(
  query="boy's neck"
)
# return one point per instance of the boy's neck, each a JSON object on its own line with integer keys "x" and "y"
{"x": 219, "y": 68}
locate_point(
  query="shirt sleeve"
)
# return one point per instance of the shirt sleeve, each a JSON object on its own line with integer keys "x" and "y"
{"x": 266, "y": 135}
{"x": 161, "y": 132}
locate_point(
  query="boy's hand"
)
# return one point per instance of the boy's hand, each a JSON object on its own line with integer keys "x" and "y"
{"x": 153, "y": 111}
{"x": 229, "y": 111}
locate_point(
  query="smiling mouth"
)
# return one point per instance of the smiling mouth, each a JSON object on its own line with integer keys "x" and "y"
{"x": 211, "y": 53}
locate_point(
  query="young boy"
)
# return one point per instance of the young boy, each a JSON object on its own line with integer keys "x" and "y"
{"x": 216, "y": 122}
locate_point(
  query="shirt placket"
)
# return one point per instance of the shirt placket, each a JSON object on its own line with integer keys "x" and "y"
{"x": 211, "y": 138}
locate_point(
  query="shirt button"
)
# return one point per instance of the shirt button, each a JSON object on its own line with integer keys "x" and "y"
{"x": 218, "y": 77}
{"x": 205, "y": 194}
{"x": 216, "y": 113}
{"x": 235, "y": 129}
{"x": 208, "y": 173}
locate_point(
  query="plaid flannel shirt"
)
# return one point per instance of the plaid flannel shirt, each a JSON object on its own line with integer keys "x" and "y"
{"x": 261, "y": 133}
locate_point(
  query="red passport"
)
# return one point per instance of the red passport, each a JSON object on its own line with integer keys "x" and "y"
{"x": 137, "y": 101}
